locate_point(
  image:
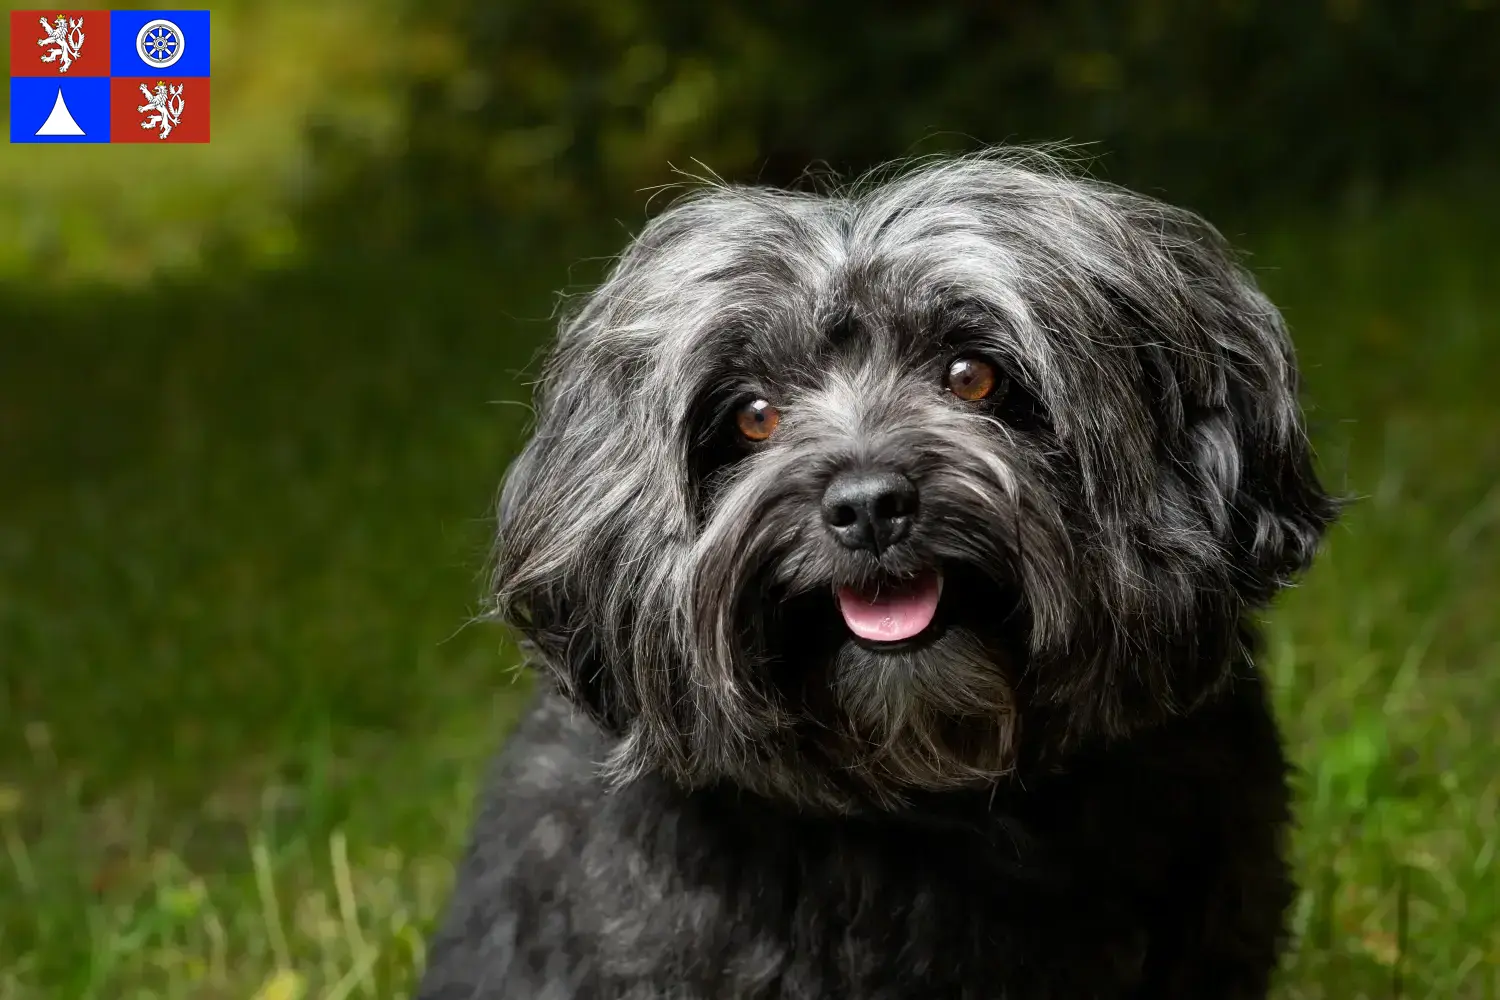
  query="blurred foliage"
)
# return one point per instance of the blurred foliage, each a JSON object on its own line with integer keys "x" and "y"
{"x": 392, "y": 124}
{"x": 127, "y": 213}
{"x": 526, "y": 113}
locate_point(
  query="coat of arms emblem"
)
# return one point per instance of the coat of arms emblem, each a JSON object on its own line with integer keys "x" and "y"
{"x": 167, "y": 103}
{"x": 64, "y": 37}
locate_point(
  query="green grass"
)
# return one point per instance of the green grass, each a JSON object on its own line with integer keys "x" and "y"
{"x": 242, "y": 714}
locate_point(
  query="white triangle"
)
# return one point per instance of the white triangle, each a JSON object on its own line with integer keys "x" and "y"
{"x": 60, "y": 121}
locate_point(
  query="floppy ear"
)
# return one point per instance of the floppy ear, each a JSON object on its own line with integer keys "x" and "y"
{"x": 1246, "y": 439}
{"x": 1217, "y": 362}
{"x": 556, "y": 637}
{"x": 1278, "y": 510}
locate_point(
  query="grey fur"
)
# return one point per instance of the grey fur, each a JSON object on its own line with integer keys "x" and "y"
{"x": 1144, "y": 484}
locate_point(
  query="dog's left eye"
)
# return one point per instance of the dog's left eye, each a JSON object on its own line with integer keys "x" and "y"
{"x": 757, "y": 419}
{"x": 972, "y": 379}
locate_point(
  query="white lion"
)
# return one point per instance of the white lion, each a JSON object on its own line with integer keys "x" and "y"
{"x": 167, "y": 102}
{"x": 66, "y": 35}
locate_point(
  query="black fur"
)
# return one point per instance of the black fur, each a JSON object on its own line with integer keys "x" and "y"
{"x": 1070, "y": 786}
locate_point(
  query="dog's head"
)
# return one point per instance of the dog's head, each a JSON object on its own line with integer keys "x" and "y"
{"x": 848, "y": 497}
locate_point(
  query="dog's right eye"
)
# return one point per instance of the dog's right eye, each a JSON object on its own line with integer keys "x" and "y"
{"x": 972, "y": 379}
{"x": 757, "y": 420}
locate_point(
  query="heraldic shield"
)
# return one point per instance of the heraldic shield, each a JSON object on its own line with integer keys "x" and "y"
{"x": 110, "y": 76}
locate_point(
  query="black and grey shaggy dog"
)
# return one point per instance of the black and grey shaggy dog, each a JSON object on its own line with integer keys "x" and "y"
{"x": 891, "y": 555}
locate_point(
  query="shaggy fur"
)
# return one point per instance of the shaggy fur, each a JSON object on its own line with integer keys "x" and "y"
{"x": 1071, "y": 785}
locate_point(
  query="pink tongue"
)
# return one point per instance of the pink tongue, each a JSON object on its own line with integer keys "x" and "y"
{"x": 891, "y": 613}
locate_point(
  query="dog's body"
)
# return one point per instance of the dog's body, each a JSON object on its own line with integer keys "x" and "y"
{"x": 1153, "y": 872}
{"x": 1036, "y": 442}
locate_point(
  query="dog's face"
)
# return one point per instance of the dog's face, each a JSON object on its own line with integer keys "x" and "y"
{"x": 844, "y": 498}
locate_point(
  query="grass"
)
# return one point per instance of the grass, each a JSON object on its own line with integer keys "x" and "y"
{"x": 242, "y": 717}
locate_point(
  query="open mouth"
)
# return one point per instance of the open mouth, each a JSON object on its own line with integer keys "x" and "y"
{"x": 891, "y": 611}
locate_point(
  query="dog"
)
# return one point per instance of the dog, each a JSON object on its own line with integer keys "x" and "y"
{"x": 890, "y": 557}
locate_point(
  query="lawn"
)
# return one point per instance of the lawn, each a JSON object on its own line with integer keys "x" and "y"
{"x": 242, "y": 525}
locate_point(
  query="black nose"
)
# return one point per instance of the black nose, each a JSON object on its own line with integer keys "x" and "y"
{"x": 869, "y": 510}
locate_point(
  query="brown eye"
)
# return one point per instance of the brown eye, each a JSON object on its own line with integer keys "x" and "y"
{"x": 757, "y": 419}
{"x": 971, "y": 379}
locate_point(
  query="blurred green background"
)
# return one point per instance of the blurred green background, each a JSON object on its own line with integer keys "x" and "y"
{"x": 255, "y": 398}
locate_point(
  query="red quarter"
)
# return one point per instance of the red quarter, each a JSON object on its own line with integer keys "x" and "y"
{"x": 190, "y": 108}
{"x": 28, "y": 29}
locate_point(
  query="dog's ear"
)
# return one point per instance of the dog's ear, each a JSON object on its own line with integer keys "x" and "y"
{"x": 1234, "y": 509}
{"x": 1246, "y": 443}
{"x": 558, "y": 639}
{"x": 1219, "y": 372}
{"x": 1278, "y": 510}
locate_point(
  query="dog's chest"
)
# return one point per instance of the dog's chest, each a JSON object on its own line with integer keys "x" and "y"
{"x": 697, "y": 909}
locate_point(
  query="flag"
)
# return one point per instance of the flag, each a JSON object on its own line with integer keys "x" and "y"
{"x": 110, "y": 76}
